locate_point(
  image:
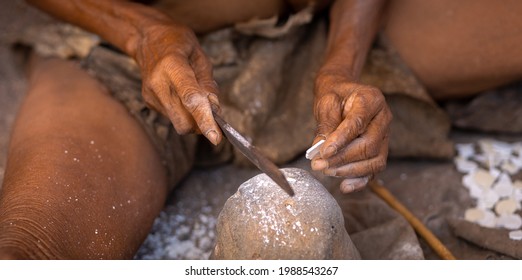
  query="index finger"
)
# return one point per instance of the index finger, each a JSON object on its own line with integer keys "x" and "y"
{"x": 195, "y": 99}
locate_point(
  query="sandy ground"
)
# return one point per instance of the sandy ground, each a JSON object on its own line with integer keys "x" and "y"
{"x": 185, "y": 230}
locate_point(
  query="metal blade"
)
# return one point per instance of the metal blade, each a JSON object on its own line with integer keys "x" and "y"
{"x": 253, "y": 154}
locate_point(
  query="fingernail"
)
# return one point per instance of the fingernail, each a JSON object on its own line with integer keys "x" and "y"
{"x": 319, "y": 164}
{"x": 330, "y": 172}
{"x": 354, "y": 185}
{"x": 330, "y": 151}
{"x": 347, "y": 188}
{"x": 212, "y": 136}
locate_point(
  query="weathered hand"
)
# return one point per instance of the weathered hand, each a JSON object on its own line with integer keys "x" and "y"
{"x": 354, "y": 120}
{"x": 177, "y": 78}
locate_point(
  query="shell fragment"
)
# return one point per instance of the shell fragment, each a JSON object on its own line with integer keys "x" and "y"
{"x": 515, "y": 235}
{"x": 512, "y": 221}
{"x": 314, "y": 150}
{"x": 488, "y": 167}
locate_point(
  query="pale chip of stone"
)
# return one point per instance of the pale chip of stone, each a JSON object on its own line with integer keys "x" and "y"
{"x": 503, "y": 187}
{"x": 495, "y": 172}
{"x": 488, "y": 200}
{"x": 465, "y": 151}
{"x": 502, "y": 149}
{"x": 480, "y": 158}
{"x": 474, "y": 215}
{"x": 464, "y": 165}
{"x": 314, "y": 150}
{"x": 468, "y": 182}
{"x": 515, "y": 235}
{"x": 512, "y": 221}
{"x": 510, "y": 167}
{"x": 517, "y": 191}
{"x": 489, "y": 220}
{"x": 483, "y": 178}
{"x": 506, "y": 207}
{"x": 486, "y": 146}
{"x": 474, "y": 189}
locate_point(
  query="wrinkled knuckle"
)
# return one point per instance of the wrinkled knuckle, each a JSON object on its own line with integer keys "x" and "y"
{"x": 211, "y": 86}
{"x": 358, "y": 124}
{"x": 194, "y": 103}
{"x": 375, "y": 95}
{"x": 324, "y": 103}
{"x": 190, "y": 97}
{"x": 326, "y": 100}
{"x": 168, "y": 64}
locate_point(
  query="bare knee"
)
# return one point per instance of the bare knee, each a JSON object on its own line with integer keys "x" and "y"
{"x": 80, "y": 169}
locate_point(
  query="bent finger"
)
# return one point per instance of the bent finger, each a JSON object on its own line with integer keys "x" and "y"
{"x": 366, "y": 146}
{"x": 160, "y": 98}
{"x": 361, "y": 168}
{"x": 195, "y": 99}
{"x": 358, "y": 112}
{"x": 354, "y": 185}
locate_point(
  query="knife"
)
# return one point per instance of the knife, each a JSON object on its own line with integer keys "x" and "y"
{"x": 253, "y": 154}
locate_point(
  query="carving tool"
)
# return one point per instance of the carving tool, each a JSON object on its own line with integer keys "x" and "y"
{"x": 419, "y": 227}
{"x": 253, "y": 154}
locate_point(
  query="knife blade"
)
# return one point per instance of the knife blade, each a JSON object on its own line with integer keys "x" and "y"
{"x": 253, "y": 154}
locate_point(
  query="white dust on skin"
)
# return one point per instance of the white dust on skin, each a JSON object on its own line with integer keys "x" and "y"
{"x": 99, "y": 235}
{"x": 491, "y": 168}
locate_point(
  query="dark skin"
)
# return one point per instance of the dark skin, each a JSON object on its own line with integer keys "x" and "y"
{"x": 67, "y": 193}
{"x": 178, "y": 82}
{"x": 65, "y": 198}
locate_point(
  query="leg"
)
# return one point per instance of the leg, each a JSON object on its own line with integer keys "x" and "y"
{"x": 458, "y": 48}
{"x": 82, "y": 179}
{"x": 208, "y": 15}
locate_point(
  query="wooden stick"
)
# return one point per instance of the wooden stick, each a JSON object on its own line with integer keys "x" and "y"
{"x": 419, "y": 227}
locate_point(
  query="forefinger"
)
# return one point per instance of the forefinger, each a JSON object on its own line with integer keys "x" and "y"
{"x": 194, "y": 98}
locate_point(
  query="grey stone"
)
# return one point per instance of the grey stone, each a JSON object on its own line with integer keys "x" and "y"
{"x": 261, "y": 221}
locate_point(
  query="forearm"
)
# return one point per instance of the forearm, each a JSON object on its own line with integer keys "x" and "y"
{"x": 118, "y": 22}
{"x": 353, "y": 26}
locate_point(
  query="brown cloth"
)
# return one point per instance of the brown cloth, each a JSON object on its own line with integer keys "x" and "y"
{"x": 267, "y": 93}
{"x": 490, "y": 238}
{"x": 378, "y": 231}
